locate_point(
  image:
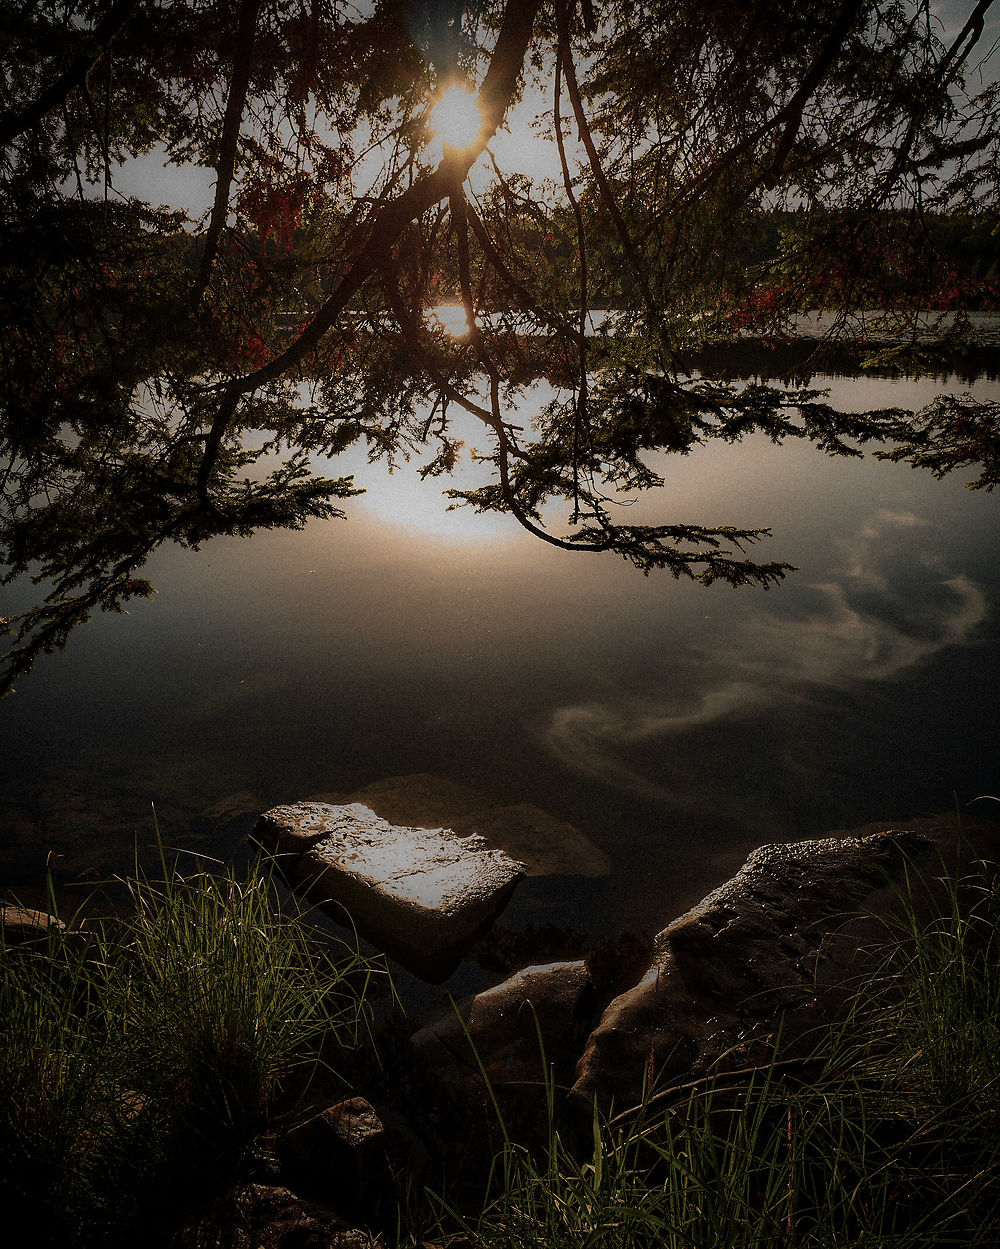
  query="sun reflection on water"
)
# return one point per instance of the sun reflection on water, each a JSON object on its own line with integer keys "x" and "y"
{"x": 451, "y": 318}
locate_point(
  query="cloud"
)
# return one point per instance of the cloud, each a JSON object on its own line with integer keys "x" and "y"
{"x": 851, "y": 638}
{"x": 885, "y": 610}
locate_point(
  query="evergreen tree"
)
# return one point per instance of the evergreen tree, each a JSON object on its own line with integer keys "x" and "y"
{"x": 721, "y": 168}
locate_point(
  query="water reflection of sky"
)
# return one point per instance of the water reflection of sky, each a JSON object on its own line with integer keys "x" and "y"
{"x": 677, "y": 726}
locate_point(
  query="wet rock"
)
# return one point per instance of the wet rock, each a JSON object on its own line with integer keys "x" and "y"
{"x": 22, "y": 924}
{"x": 729, "y": 971}
{"x": 259, "y": 1216}
{"x": 546, "y": 845}
{"x": 424, "y": 895}
{"x": 617, "y": 963}
{"x": 356, "y": 1157}
{"x": 504, "y": 950}
{"x": 556, "y": 1002}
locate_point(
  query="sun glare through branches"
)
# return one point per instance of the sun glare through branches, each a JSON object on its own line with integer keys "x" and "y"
{"x": 456, "y": 118}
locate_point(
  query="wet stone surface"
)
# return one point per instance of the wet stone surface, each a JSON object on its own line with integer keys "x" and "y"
{"x": 424, "y": 895}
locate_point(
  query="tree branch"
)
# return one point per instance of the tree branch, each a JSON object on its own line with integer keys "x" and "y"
{"x": 789, "y": 115}
{"x": 580, "y": 400}
{"x": 495, "y": 96}
{"x": 12, "y": 126}
{"x": 607, "y": 195}
{"x": 389, "y": 221}
{"x": 792, "y": 112}
{"x": 510, "y": 279}
{"x": 226, "y": 165}
{"x": 956, "y": 55}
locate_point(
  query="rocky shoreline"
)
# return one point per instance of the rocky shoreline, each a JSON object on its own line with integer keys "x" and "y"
{"x": 753, "y": 958}
{"x": 745, "y": 977}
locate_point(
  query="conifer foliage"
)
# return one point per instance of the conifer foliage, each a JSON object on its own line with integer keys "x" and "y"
{"x": 718, "y": 169}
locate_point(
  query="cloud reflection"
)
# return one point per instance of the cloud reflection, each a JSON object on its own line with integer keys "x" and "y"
{"x": 886, "y": 610}
{"x": 591, "y": 738}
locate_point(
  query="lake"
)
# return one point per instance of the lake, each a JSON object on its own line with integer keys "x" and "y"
{"x": 676, "y": 727}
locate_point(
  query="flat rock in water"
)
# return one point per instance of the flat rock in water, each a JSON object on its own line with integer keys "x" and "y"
{"x": 547, "y": 846}
{"x": 424, "y": 895}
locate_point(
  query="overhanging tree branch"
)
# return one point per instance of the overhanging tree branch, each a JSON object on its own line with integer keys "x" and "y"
{"x": 608, "y": 198}
{"x": 97, "y": 340}
{"x": 580, "y": 402}
{"x": 791, "y": 114}
{"x": 377, "y": 236}
{"x": 229, "y": 142}
{"x": 955, "y": 57}
{"x": 12, "y": 126}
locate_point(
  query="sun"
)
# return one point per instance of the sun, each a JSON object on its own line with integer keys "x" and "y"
{"x": 456, "y": 118}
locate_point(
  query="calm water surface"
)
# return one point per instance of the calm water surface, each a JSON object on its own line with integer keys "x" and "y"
{"x": 677, "y": 727}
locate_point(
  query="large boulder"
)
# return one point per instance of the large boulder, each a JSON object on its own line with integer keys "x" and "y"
{"x": 424, "y": 895}
{"x": 740, "y": 967}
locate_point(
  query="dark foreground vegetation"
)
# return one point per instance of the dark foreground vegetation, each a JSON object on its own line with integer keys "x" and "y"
{"x": 158, "y": 1060}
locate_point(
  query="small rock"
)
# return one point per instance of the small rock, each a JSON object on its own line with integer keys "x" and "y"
{"x": 555, "y": 1001}
{"x": 355, "y": 1157}
{"x": 20, "y": 924}
{"x": 258, "y": 1216}
{"x": 422, "y": 895}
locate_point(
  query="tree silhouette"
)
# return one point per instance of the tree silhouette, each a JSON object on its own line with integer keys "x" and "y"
{"x": 720, "y": 169}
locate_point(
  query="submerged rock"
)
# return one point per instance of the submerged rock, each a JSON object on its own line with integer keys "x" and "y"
{"x": 424, "y": 895}
{"x": 729, "y": 972}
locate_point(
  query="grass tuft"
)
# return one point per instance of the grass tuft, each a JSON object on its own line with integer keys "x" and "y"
{"x": 142, "y": 1062}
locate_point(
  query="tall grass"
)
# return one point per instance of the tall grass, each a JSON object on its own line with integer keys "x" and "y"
{"x": 888, "y": 1135}
{"x": 148, "y": 1061}
{"x": 222, "y": 1005}
{"x": 56, "y": 1115}
{"x": 142, "y": 1061}
{"x": 936, "y": 1000}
